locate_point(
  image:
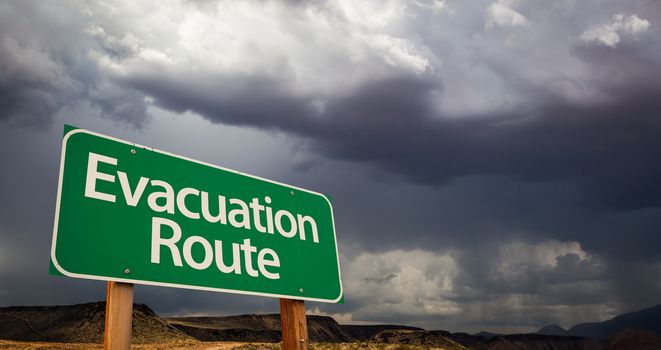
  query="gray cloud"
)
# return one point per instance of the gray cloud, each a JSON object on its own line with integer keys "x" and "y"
{"x": 608, "y": 149}
{"x": 509, "y": 285}
{"x": 597, "y": 130}
{"x": 47, "y": 68}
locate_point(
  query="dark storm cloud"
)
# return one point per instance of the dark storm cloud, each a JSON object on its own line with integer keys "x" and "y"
{"x": 33, "y": 84}
{"x": 609, "y": 147}
{"x": 607, "y": 142}
{"x": 494, "y": 275}
{"x": 45, "y": 67}
{"x": 231, "y": 100}
{"x": 612, "y": 150}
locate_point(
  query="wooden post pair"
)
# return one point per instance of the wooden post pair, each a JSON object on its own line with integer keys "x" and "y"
{"x": 119, "y": 313}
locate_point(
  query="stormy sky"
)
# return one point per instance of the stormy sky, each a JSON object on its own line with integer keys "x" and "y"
{"x": 494, "y": 165}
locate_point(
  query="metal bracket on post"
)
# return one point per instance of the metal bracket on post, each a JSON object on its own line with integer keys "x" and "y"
{"x": 294, "y": 325}
{"x": 119, "y": 315}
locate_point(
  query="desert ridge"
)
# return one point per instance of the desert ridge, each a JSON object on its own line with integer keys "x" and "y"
{"x": 73, "y": 327}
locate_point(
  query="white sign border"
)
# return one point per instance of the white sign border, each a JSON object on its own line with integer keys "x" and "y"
{"x": 175, "y": 285}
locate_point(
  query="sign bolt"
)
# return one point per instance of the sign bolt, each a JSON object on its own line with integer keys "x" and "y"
{"x": 291, "y": 192}
{"x": 301, "y": 290}
{"x": 127, "y": 271}
{"x": 133, "y": 151}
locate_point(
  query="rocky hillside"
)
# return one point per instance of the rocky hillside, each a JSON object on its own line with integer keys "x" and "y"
{"x": 266, "y": 328}
{"x": 630, "y": 339}
{"x": 540, "y": 341}
{"x": 435, "y": 339}
{"x": 262, "y": 328}
{"x": 552, "y": 329}
{"x": 366, "y": 332}
{"x": 84, "y": 323}
{"x": 81, "y": 323}
{"x": 648, "y": 319}
{"x": 624, "y": 340}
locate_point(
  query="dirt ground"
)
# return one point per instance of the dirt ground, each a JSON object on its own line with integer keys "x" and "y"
{"x": 16, "y": 345}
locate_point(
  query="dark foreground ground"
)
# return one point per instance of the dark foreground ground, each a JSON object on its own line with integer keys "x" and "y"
{"x": 81, "y": 326}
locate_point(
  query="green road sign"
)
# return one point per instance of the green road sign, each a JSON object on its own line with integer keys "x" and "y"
{"x": 131, "y": 213}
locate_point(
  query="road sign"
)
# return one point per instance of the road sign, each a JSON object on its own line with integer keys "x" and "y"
{"x": 134, "y": 214}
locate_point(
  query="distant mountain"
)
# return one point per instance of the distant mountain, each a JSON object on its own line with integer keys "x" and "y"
{"x": 646, "y": 319}
{"x": 488, "y": 335}
{"x": 81, "y": 323}
{"x": 540, "y": 341}
{"x": 257, "y": 328}
{"x": 436, "y": 339}
{"x": 266, "y": 328}
{"x": 552, "y": 329}
{"x": 623, "y": 340}
{"x": 366, "y": 332}
{"x": 84, "y": 323}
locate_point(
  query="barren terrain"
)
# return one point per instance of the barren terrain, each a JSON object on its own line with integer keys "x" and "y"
{"x": 77, "y": 327}
{"x": 16, "y": 345}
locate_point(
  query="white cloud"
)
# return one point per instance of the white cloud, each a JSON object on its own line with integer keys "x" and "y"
{"x": 123, "y": 46}
{"x": 316, "y": 51}
{"x": 436, "y": 6}
{"x": 411, "y": 282}
{"x": 518, "y": 276}
{"x": 610, "y": 34}
{"x": 372, "y": 14}
{"x": 502, "y": 14}
{"x": 399, "y": 53}
{"x": 633, "y": 24}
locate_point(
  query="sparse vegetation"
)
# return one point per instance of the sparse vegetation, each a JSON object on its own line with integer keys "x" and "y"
{"x": 15, "y": 345}
{"x": 341, "y": 346}
{"x": 370, "y": 346}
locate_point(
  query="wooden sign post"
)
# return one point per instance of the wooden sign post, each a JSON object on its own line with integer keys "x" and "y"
{"x": 119, "y": 315}
{"x": 294, "y": 325}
